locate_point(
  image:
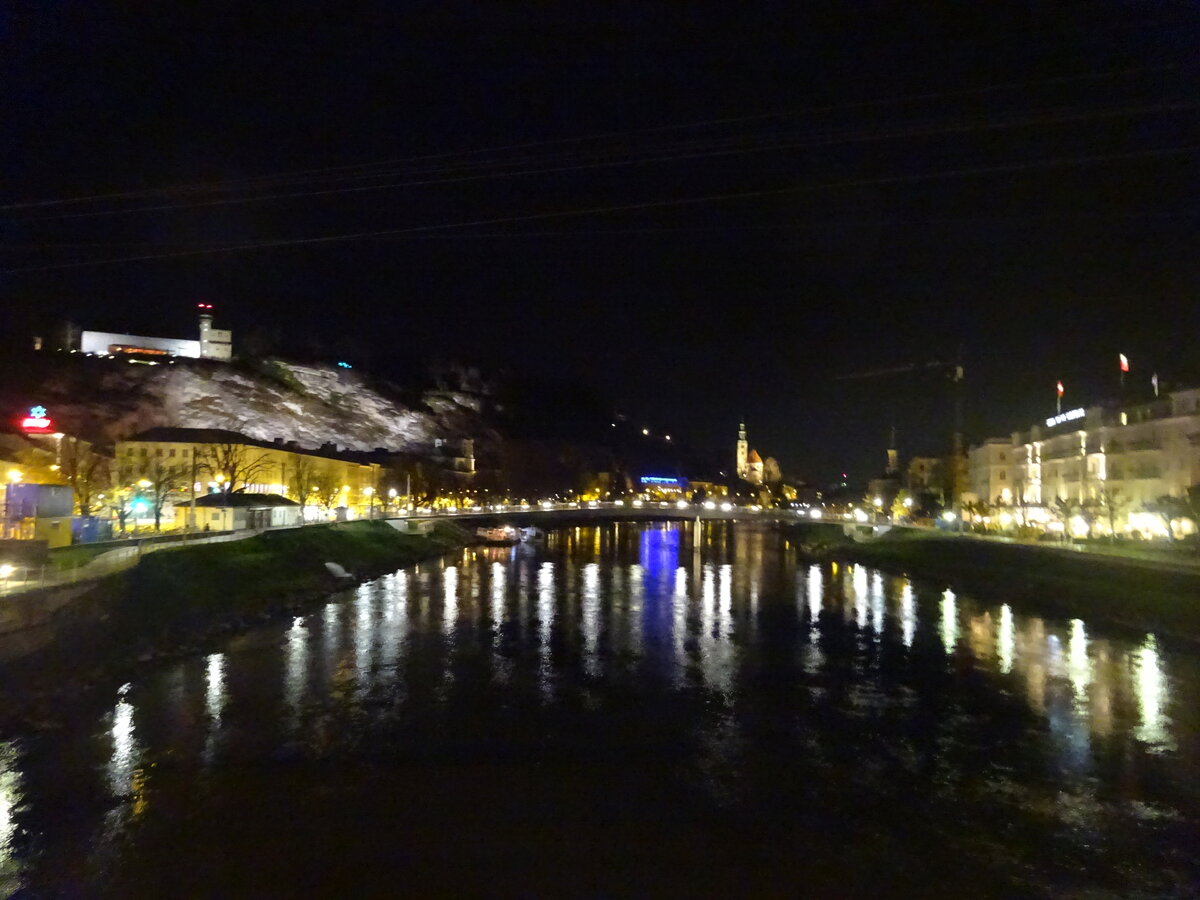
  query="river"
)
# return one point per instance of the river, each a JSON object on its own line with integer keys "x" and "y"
{"x": 628, "y": 710}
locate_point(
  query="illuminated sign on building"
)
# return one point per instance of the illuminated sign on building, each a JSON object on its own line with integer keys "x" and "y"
{"x": 661, "y": 480}
{"x": 1069, "y": 416}
{"x": 38, "y": 421}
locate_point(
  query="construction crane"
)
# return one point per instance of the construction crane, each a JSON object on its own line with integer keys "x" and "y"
{"x": 953, "y": 370}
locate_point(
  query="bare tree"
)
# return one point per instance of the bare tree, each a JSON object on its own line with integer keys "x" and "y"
{"x": 301, "y": 479}
{"x": 86, "y": 471}
{"x": 233, "y": 465}
{"x": 157, "y": 480}
{"x": 326, "y": 487}
{"x": 1110, "y": 504}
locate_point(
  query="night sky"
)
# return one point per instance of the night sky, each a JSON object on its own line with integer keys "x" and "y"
{"x": 705, "y": 211}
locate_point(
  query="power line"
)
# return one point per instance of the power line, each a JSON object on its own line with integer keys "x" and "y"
{"x": 630, "y": 207}
{"x": 831, "y": 223}
{"x": 450, "y": 155}
{"x": 1059, "y": 117}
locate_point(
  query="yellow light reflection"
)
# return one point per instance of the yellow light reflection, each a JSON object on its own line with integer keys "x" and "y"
{"x": 1151, "y": 694}
{"x": 1078, "y": 664}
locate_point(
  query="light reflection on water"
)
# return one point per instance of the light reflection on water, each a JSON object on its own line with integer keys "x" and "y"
{"x": 680, "y": 609}
{"x": 10, "y": 797}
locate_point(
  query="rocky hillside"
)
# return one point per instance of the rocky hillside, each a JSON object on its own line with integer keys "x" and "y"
{"x": 107, "y": 400}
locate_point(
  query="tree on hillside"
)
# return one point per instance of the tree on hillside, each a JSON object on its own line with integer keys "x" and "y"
{"x": 772, "y": 474}
{"x": 87, "y": 472}
{"x": 233, "y": 466}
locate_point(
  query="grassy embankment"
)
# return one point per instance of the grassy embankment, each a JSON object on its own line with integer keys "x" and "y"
{"x": 186, "y": 590}
{"x": 1125, "y": 591}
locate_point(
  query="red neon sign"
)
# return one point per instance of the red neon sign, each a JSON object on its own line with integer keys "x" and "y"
{"x": 37, "y": 422}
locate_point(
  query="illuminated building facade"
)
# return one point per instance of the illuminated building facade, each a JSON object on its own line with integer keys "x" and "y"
{"x": 213, "y": 343}
{"x": 990, "y": 467}
{"x": 747, "y": 463}
{"x": 205, "y": 460}
{"x": 1129, "y": 455}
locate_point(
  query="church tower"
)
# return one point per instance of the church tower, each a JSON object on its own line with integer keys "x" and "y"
{"x": 743, "y": 452}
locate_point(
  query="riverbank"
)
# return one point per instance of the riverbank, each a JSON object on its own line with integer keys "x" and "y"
{"x": 1125, "y": 592}
{"x": 179, "y": 601}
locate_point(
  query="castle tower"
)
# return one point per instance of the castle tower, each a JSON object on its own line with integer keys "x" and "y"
{"x": 743, "y": 452}
{"x": 215, "y": 343}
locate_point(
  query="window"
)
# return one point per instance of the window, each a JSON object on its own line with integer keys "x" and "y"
{"x": 1003, "y": 475}
{"x": 171, "y": 452}
{"x": 216, "y": 516}
{"x": 158, "y": 452}
{"x": 185, "y": 451}
{"x": 144, "y": 452}
{"x": 129, "y": 452}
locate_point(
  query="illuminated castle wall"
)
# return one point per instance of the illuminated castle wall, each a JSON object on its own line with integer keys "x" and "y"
{"x": 213, "y": 343}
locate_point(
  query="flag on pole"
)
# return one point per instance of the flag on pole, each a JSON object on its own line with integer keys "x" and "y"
{"x": 1124, "y": 362}
{"x": 1058, "y": 400}
{"x": 1060, "y": 388}
{"x": 1154, "y": 381}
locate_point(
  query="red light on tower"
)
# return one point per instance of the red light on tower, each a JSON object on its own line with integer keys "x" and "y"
{"x": 204, "y": 306}
{"x": 1124, "y": 362}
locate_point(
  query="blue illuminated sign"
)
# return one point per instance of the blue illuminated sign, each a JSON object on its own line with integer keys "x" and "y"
{"x": 660, "y": 479}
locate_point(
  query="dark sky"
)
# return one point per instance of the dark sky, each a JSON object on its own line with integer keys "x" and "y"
{"x": 1018, "y": 179}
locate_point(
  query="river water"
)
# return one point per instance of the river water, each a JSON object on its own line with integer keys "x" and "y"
{"x": 629, "y": 710}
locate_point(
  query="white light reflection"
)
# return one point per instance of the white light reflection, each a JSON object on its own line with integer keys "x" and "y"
{"x": 860, "y": 597}
{"x": 679, "y": 606}
{"x": 214, "y": 694}
{"x": 725, "y": 591}
{"x": 815, "y": 590}
{"x": 124, "y": 753}
{"x": 1078, "y": 665}
{"x": 450, "y": 601}
{"x": 214, "y": 700}
{"x": 949, "y": 620}
{"x": 545, "y": 607}
{"x": 591, "y": 617}
{"x": 908, "y": 614}
{"x": 1006, "y": 639}
{"x": 876, "y": 599}
{"x": 10, "y": 793}
{"x": 364, "y": 637}
{"x": 1151, "y": 694}
{"x": 498, "y": 584}
{"x": 297, "y": 667}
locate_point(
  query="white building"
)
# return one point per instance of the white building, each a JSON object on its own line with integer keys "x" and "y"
{"x": 1129, "y": 456}
{"x": 990, "y": 467}
{"x": 213, "y": 343}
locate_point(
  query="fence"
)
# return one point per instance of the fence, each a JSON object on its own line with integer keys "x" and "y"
{"x": 19, "y": 579}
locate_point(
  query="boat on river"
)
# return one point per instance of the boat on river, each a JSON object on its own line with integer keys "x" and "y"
{"x": 499, "y": 534}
